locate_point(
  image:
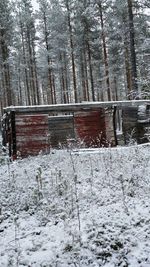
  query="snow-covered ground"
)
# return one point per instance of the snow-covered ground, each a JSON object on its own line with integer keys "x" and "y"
{"x": 70, "y": 208}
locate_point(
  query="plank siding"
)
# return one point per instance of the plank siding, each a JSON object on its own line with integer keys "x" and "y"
{"x": 61, "y": 129}
{"x": 29, "y": 130}
{"x": 90, "y": 127}
{"x": 31, "y": 134}
{"x": 76, "y": 106}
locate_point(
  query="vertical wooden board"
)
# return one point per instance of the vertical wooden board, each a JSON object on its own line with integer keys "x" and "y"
{"x": 32, "y": 134}
{"x": 90, "y": 127}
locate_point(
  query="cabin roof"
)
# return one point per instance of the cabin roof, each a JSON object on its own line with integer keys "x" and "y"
{"x": 76, "y": 106}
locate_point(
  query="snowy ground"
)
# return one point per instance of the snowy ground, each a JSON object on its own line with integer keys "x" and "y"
{"x": 76, "y": 209}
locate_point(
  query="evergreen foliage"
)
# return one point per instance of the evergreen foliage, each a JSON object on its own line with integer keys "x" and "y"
{"x": 73, "y": 51}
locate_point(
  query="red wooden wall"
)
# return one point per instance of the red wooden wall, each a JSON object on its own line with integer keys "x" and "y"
{"x": 31, "y": 134}
{"x": 90, "y": 127}
{"x": 37, "y": 133}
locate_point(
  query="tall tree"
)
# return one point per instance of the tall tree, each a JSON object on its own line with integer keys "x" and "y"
{"x": 132, "y": 49}
{"x": 5, "y": 39}
{"x": 27, "y": 33}
{"x": 73, "y": 51}
{"x": 44, "y": 9}
{"x": 105, "y": 53}
{"x": 67, "y": 4}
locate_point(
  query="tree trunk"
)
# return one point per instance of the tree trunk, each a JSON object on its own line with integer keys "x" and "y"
{"x": 128, "y": 72}
{"x": 90, "y": 70}
{"x": 5, "y": 68}
{"x": 105, "y": 53}
{"x": 64, "y": 89}
{"x": 66, "y": 76}
{"x": 20, "y": 97}
{"x": 72, "y": 53}
{"x": 31, "y": 67}
{"x": 35, "y": 76}
{"x": 25, "y": 66}
{"x": 50, "y": 95}
{"x": 86, "y": 76}
{"x": 132, "y": 50}
{"x": 84, "y": 95}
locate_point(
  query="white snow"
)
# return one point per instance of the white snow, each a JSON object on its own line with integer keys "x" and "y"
{"x": 76, "y": 208}
{"x": 82, "y": 105}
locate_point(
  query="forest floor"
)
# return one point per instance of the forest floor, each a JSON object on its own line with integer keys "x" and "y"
{"x": 76, "y": 208}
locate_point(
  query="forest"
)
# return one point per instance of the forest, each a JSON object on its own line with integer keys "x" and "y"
{"x": 73, "y": 51}
{"x": 76, "y": 206}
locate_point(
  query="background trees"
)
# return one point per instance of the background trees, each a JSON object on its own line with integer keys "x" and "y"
{"x": 73, "y": 51}
{"x": 5, "y": 40}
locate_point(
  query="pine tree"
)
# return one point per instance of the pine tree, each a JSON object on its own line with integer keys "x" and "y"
{"x": 27, "y": 34}
{"x": 73, "y": 51}
{"x": 132, "y": 48}
{"x": 67, "y": 5}
{"x": 105, "y": 50}
{"x": 5, "y": 39}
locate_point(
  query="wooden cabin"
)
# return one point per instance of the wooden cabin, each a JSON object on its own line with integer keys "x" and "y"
{"x": 29, "y": 130}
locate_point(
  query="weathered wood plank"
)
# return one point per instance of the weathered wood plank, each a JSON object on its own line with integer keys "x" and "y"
{"x": 24, "y": 120}
{"x": 60, "y": 129}
{"x": 90, "y": 127}
{"x": 60, "y": 122}
{"x": 36, "y": 130}
{"x": 61, "y": 118}
{"x": 29, "y": 138}
{"x": 57, "y": 125}
{"x": 75, "y": 107}
{"x": 32, "y": 134}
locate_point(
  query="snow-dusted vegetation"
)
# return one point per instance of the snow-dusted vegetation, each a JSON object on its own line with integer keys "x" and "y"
{"x": 76, "y": 208}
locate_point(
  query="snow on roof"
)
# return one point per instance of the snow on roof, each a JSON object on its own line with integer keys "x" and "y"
{"x": 76, "y": 106}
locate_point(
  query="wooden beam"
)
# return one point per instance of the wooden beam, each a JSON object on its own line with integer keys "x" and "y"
{"x": 75, "y": 106}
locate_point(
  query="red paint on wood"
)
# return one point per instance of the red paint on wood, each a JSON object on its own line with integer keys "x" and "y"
{"x": 31, "y": 119}
{"x": 32, "y": 134}
{"x": 27, "y": 129}
{"x": 90, "y": 127}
